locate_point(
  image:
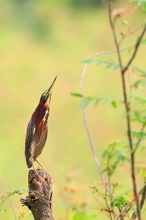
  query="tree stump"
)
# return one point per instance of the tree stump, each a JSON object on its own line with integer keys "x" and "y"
{"x": 39, "y": 199}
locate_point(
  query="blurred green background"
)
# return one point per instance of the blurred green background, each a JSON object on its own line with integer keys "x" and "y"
{"x": 39, "y": 40}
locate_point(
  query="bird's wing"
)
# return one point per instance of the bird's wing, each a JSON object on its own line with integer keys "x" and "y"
{"x": 29, "y": 134}
{"x": 43, "y": 137}
{"x": 28, "y": 141}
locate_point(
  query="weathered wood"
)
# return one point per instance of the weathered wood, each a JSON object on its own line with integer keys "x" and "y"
{"x": 39, "y": 199}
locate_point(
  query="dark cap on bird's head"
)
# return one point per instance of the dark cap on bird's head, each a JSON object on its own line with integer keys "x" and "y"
{"x": 47, "y": 94}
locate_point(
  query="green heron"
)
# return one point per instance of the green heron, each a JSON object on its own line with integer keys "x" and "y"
{"x": 37, "y": 129}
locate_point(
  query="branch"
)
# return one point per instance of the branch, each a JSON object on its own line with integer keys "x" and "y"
{"x": 39, "y": 199}
{"x": 135, "y": 51}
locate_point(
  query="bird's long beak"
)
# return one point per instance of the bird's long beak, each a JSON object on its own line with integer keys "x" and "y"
{"x": 52, "y": 85}
{"x": 48, "y": 91}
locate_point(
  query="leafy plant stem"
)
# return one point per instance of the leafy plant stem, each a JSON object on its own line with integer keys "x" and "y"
{"x": 130, "y": 205}
{"x": 109, "y": 208}
{"x": 135, "y": 51}
{"x": 85, "y": 118}
{"x": 127, "y": 105}
{"x": 109, "y": 183}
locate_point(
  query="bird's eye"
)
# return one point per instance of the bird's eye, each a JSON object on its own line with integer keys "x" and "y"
{"x": 45, "y": 93}
{"x": 44, "y": 96}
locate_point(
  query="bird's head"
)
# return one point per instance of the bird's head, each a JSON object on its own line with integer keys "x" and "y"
{"x": 46, "y": 96}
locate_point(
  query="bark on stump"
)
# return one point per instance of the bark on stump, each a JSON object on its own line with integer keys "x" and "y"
{"x": 39, "y": 199}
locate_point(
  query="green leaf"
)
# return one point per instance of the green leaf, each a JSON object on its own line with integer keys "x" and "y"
{"x": 87, "y": 101}
{"x": 143, "y": 41}
{"x": 139, "y": 3}
{"x": 110, "y": 65}
{"x": 99, "y": 62}
{"x": 126, "y": 23}
{"x": 82, "y": 216}
{"x": 114, "y": 103}
{"x": 116, "y": 67}
{"x": 113, "y": 167}
{"x": 99, "y": 100}
{"x": 78, "y": 217}
{"x": 119, "y": 202}
{"x": 142, "y": 72}
{"x": 138, "y": 134}
{"x": 2, "y": 210}
{"x": 88, "y": 61}
{"x": 114, "y": 150}
{"x": 143, "y": 172}
{"x": 139, "y": 98}
{"x": 94, "y": 189}
{"x": 115, "y": 153}
{"x": 77, "y": 94}
{"x": 139, "y": 117}
{"x": 138, "y": 83}
{"x": 19, "y": 192}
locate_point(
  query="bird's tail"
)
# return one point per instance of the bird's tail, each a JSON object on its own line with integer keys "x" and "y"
{"x": 29, "y": 164}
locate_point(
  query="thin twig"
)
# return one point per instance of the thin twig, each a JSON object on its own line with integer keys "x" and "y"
{"x": 87, "y": 129}
{"x": 134, "y": 215}
{"x": 109, "y": 52}
{"x": 135, "y": 51}
{"x": 111, "y": 209}
{"x": 143, "y": 198}
{"x": 8, "y": 197}
{"x": 3, "y": 201}
{"x": 129, "y": 32}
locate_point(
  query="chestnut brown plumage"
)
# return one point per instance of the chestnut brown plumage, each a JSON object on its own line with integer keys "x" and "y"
{"x": 37, "y": 129}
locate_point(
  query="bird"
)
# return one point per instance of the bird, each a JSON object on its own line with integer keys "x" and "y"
{"x": 37, "y": 128}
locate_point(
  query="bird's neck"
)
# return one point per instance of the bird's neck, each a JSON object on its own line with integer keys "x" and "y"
{"x": 41, "y": 113}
